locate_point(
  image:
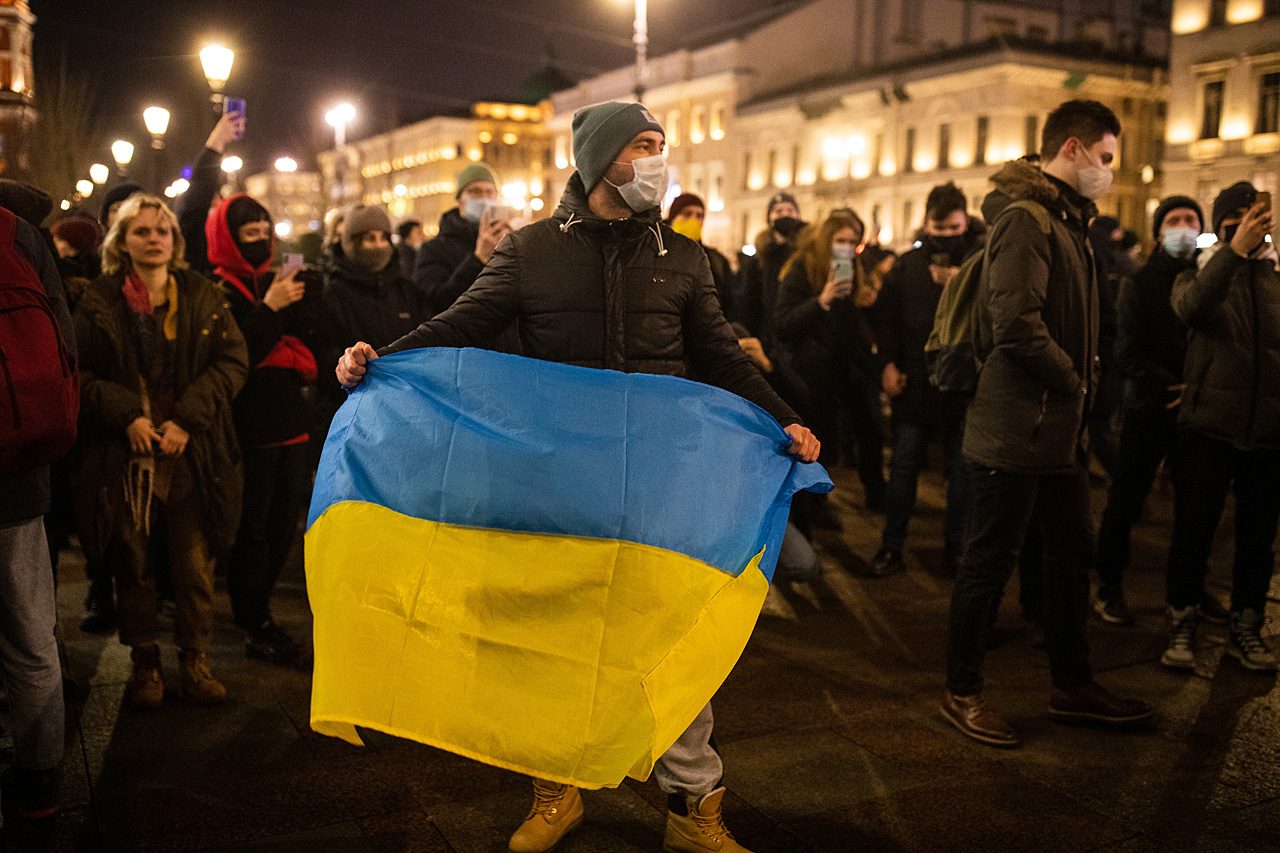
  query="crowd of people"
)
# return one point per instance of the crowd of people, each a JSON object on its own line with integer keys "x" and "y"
{"x": 207, "y": 382}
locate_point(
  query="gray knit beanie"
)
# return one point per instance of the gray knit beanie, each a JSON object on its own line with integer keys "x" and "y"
{"x": 362, "y": 218}
{"x": 602, "y": 131}
{"x": 468, "y": 176}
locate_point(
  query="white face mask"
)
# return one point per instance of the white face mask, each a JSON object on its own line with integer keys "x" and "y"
{"x": 649, "y": 185}
{"x": 473, "y": 208}
{"x": 1179, "y": 242}
{"x": 1094, "y": 180}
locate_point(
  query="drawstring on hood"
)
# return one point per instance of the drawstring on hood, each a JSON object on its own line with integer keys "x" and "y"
{"x": 657, "y": 232}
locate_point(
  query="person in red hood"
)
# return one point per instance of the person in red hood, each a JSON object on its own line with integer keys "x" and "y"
{"x": 271, "y": 414}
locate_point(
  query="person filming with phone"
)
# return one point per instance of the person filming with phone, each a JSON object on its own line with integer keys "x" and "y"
{"x": 1228, "y": 426}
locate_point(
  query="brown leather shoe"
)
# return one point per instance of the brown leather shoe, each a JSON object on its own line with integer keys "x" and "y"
{"x": 1095, "y": 703}
{"x": 557, "y": 810}
{"x": 971, "y": 715}
{"x": 145, "y": 688}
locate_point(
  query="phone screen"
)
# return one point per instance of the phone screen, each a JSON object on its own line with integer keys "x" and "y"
{"x": 1264, "y": 199}
{"x": 293, "y": 259}
{"x": 842, "y": 269}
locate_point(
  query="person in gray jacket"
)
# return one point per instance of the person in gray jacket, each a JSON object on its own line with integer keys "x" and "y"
{"x": 1229, "y": 426}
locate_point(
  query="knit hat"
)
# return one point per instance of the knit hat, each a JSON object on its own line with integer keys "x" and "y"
{"x": 682, "y": 201}
{"x": 601, "y": 132}
{"x": 361, "y": 219}
{"x": 81, "y": 232}
{"x": 241, "y": 211}
{"x": 781, "y": 198}
{"x": 25, "y": 201}
{"x": 1171, "y": 204}
{"x": 1231, "y": 200}
{"x": 114, "y": 195}
{"x": 474, "y": 172}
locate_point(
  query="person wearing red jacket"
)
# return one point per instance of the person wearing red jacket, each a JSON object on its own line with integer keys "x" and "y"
{"x": 272, "y": 413}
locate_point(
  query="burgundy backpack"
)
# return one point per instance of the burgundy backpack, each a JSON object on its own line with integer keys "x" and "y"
{"x": 39, "y": 390}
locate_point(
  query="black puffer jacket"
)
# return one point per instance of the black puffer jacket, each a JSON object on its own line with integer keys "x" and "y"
{"x": 447, "y": 264}
{"x": 903, "y": 318}
{"x": 628, "y": 295}
{"x": 1232, "y": 305}
{"x": 1151, "y": 342}
{"x": 1040, "y": 301}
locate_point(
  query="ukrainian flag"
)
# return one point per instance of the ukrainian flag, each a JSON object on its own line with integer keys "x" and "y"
{"x": 543, "y": 567}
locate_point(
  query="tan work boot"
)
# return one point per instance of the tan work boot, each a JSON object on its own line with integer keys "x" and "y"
{"x": 703, "y": 830}
{"x": 198, "y": 684}
{"x": 145, "y": 688}
{"x": 557, "y": 810}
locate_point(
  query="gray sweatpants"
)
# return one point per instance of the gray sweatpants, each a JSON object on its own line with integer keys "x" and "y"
{"x": 691, "y": 767}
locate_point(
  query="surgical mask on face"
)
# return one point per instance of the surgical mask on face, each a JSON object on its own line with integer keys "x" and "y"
{"x": 690, "y": 228}
{"x": 1094, "y": 180}
{"x": 1179, "y": 242}
{"x": 649, "y": 185}
{"x": 473, "y": 208}
{"x": 842, "y": 251}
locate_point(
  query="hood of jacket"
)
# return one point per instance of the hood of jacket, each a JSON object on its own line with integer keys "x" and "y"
{"x": 1019, "y": 180}
{"x": 225, "y": 255}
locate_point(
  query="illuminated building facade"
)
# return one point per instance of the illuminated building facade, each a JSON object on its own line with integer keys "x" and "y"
{"x": 17, "y": 95}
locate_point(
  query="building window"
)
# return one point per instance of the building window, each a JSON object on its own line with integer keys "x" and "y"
{"x": 1211, "y": 115}
{"x": 717, "y": 192}
{"x": 944, "y": 146}
{"x": 980, "y": 142}
{"x": 1217, "y": 14}
{"x": 909, "y": 156}
{"x": 697, "y": 125}
{"x": 717, "y": 121}
{"x": 673, "y": 128}
{"x": 746, "y": 170}
{"x": 1031, "y": 135}
{"x": 909, "y": 25}
{"x": 1268, "y": 103}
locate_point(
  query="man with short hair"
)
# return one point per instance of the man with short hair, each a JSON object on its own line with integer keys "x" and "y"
{"x": 1025, "y": 433}
{"x": 1228, "y": 427}
{"x": 411, "y": 237}
{"x": 756, "y": 291}
{"x": 604, "y": 284}
{"x": 1151, "y": 343}
{"x": 904, "y": 318}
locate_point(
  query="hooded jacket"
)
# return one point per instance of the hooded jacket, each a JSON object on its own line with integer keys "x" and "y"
{"x": 1232, "y": 371}
{"x": 209, "y": 368}
{"x": 903, "y": 318}
{"x": 628, "y": 295}
{"x": 272, "y": 408}
{"x": 1040, "y": 309}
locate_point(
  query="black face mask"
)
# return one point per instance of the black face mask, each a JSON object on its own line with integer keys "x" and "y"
{"x": 787, "y": 226}
{"x": 256, "y": 253}
{"x": 952, "y": 246}
{"x": 1229, "y": 232}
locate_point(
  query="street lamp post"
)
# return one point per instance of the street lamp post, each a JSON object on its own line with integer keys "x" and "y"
{"x": 122, "y": 153}
{"x": 216, "y": 61}
{"x": 157, "y": 121}
{"x": 641, "y": 39}
{"x": 339, "y": 117}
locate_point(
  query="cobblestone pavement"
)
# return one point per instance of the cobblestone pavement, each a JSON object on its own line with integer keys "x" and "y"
{"x": 829, "y": 728}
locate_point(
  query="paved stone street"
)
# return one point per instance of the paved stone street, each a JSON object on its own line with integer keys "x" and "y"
{"x": 829, "y": 728}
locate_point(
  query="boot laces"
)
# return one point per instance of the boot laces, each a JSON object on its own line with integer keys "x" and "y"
{"x": 546, "y": 800}
{"x": 711, "y": 825}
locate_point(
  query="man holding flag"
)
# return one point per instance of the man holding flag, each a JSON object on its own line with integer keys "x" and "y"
{"x": 604, "y": 284}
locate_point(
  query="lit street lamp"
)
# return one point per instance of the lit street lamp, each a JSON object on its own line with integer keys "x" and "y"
{"x": 122, "y": 153}
{"x": 216, "y": 61}
{"x": 231, "y": 165}
{"x": 157, "y": 121}
{"x": 84, "y": 188}
{"x": 99, "y": 173}
{"x": 641, "y": 39}
{"x": 286, "y": 164}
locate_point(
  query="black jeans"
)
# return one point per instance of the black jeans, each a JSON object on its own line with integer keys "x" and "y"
{"x": 1000, "y": 512}
{"x": 910, "y": 457}
{"x": 1207, "y": 469}
{"x": 1147, "y": 438}
{"x": 276, "y": 490}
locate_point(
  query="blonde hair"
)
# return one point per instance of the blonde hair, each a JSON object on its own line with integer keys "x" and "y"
{"x": 815, "y": 251}
{"x": 114, "y": 257}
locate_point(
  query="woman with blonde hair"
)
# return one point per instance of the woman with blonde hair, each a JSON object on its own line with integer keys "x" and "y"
{"x": 160, "y": 360}
{"x": 821, "y": 323}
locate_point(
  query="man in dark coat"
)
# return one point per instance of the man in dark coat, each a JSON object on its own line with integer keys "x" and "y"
{"x": 903, "y": 320}
{"x": 604, "y": 284}
{"x": 1150, "y": 347}
{"x": 449, "y": 262}
{"x": 755, "y": 293}
{"x": 1025, "y": 433}
{"x": 1229, "y": 426}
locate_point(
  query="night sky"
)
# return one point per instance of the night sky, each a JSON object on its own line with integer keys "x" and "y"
{"x": 398, "y": 62}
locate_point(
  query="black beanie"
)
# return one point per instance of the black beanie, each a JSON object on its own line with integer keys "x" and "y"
{"x": 114, "y": 195}
{"x": 242, "y": 211}
{"x": 1233, "y": 199}
{"x": 1171, "y": 204}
